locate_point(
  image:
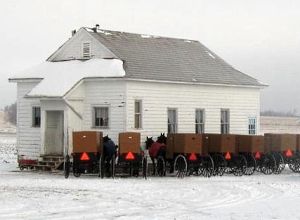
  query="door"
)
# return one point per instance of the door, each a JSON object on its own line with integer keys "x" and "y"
{"x": 54, "y": 133}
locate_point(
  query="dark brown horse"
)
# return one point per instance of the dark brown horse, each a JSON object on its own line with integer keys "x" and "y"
{"x": 156, "y": 149}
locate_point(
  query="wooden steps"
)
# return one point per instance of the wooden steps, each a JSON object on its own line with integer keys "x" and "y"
{"x": 49, "y": 163}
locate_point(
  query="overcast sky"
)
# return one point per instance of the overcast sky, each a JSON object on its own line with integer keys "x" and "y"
{"x": 260, "y": 38}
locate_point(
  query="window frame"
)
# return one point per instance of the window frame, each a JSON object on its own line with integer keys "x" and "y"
{"x": 83, "y": 47}
{"x": 200, "y": 124}
{"x": 94, "y": 116}
{"x": 176, "y": 121}
{"x": 140, "y": 114}
{"x": 223, "y": 129}
{"x": 255, "y": 125}
{"x": 33, "y": 116}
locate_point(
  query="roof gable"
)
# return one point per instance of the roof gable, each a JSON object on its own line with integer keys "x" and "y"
{"x": 72, "y": 48}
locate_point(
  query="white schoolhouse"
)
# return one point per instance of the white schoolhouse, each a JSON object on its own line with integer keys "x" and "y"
{"x": 115, "y": 81}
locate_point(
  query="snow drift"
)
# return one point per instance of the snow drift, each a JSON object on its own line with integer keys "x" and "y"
{"x": 57, "y": 78}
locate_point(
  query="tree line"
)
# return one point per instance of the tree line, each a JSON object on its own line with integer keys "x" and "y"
{"x": 10, "y": 113}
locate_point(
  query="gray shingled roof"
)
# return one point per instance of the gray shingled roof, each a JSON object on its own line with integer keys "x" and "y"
{"x": 170, "y": 59}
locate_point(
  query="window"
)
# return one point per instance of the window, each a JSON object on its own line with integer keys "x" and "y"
{"x": 199, "y": 121}
{"x": 252, "y": 125}
{"x": 36, "y": 116}
{"x": 86, "y": 50}
{"x": 137, "y": 114}
{"x": 101, "y": 117}
{"x": 224, "y": 121}
{"x": 172, "y": 121}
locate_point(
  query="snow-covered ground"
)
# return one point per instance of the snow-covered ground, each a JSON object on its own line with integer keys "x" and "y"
{"x": 29, "y": 195}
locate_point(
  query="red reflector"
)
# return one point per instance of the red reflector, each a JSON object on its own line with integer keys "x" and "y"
{"x": 84, "y": 156}
{"x": 227, "y": 156}
{"x": 193, "y": 157}
{"x": 257, "y": 155}
{"x": 129, "y": 156}
{"x": 288, "y": 153}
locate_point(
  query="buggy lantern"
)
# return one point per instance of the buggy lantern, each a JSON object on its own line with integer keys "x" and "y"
{"x": 288, "y": 153}
{"x": 129, "y": 156}
{"x": 192, "y": 157}
{"x": 84, "y": 156}
{"x": 257, "y": 155}
{"x": 227, "y": 156}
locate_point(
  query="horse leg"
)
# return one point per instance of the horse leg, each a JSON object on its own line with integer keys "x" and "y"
{"x": 153, "y": 166}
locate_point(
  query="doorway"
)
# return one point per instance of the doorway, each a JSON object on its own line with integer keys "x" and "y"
{"x": 54, "y": 133}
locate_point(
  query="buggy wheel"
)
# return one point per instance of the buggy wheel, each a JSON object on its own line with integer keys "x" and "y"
{"x": 251, "y": 164}
{"x": 294, "y": 164}
{"x": 145, "y": 167}
{"x": 101, "y": 165}
{"x": 180, "y": 165}
{"x": 239, "y": 165}
{"x": 160, "y": 166}
{"x": 67, "y": 166}
{"x": 267, "y": 164}
{"x": 76, "y": 173}
{"x": 136, "y": 168}
{"x": 207, "y": 166}
{"x": 280, "y": 164}
{"x": 220, "y": 164}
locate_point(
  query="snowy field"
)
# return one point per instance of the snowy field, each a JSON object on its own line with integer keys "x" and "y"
{"x": 29, "y": 195}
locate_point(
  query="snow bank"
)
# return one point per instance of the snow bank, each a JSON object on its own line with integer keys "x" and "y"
{"x": 59, "y": 77}
{"x": 8, "y": 152}
{"x": 25, "y": 195}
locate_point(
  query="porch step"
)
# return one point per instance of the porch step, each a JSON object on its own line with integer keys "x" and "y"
{"x": 51, "y": 158}
{"x": 49, "y": 163}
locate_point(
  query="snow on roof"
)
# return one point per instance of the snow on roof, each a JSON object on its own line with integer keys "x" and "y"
{"x": 59, "y": 77}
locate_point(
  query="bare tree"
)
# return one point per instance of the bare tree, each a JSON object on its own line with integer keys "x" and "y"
{"x": 292, "y": 113}
{"x": 10, "y": 112}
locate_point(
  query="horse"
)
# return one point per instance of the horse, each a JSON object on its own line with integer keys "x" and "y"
{"x": 157, "y": 148}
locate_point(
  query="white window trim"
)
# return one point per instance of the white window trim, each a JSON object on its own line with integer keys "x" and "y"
{"x": 82, "y": 53}
{"x": 255, "y": 129}
{"x": 141, "y": 114}
{"x": 176, "y": 114}
{"x": 204, "y": 118}
{"x": 93, "y": 117}
{"x": 225, "y": 109}
{"x": 32, "y": 125}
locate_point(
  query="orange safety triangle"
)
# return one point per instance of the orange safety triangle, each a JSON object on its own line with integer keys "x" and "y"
{"x": 129, "y": 156}
{"x": 227, "y": 156}
{"x": 257, "y": 155}
{"x": 193, "y": 157}
{"x": 84, "y": 156}
{"x": 288, "y": 153}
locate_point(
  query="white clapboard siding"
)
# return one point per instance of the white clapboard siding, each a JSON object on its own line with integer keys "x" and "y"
{"x": 75, "y": 112}
{"x": 105, "y": 93}
{"x": 28, "y": 137}
{"x": 158, "y": 97}
{"x": 72, "y": 49}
